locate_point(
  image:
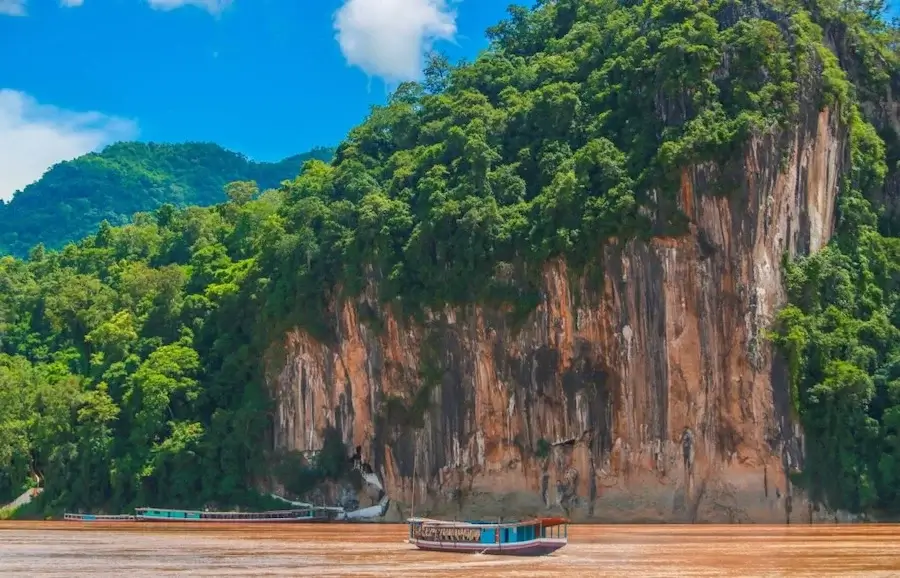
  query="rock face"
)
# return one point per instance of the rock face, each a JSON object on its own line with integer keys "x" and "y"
{"x": 653, "y": 398}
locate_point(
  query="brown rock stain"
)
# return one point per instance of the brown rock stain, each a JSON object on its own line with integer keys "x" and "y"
{"x": 687, "y": 193}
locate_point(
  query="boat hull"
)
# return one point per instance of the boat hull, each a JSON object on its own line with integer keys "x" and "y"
{"x": 538, "y": 547}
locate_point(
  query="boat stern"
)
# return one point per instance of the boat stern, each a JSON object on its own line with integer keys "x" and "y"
{"x": 547, "y": 546}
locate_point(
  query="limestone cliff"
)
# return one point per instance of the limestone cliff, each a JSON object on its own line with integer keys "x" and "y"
{"x": 654, "y": 399}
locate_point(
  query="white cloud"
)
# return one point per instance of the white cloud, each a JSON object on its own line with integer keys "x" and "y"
{"x": 211, "y": 6}
{"x": 12, "y": 7}
{"x": 34, "y": 137}
{"x": 388, "y": 38}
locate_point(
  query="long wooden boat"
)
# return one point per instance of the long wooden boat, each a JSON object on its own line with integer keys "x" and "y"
{"x": 163, "y": 515}
{"x": 342, "y": 515}
{"x": 98, "y": 518}
{"x": 536, "y": 537}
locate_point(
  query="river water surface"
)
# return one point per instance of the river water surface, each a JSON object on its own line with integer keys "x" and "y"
{"x": 42, "y": 549}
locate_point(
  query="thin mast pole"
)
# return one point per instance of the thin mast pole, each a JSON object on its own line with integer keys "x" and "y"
{"x": 415, "y": 470}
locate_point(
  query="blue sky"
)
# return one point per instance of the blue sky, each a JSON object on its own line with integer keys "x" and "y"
{"x": 268, "y": 78}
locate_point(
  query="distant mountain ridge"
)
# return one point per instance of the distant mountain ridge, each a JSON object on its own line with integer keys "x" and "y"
{"x": 73, "y": 197}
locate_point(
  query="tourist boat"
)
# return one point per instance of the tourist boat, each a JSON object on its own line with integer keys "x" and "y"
{"x": 163, "y": 515}
{"x": 340, "y": 514}
{"x": 536, "y": 537}
{"x": 98, "y": 518}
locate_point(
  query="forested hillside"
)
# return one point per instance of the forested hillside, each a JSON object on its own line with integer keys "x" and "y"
{"x": 132, "y": 364}
{"x": 840, "y": 333}
{"x": 129, "y": 373}
{"x": 74, "y": 197}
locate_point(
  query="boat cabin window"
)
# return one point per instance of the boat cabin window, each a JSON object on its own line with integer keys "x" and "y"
{"x": 560, "y": 531}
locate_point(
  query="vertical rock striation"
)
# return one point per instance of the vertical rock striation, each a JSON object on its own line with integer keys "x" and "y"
{"x": 653, "y": 397}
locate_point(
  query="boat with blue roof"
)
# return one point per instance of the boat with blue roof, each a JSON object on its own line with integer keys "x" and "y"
{"x": 298, "y": 515}
{"x": 534, "y": 537}
{"x": 98, "y": 518}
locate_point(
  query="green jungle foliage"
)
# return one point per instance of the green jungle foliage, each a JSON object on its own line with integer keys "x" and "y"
{"x": 132, "y": 362}
{"x": 72, "y": 198}
{"x": 840, "y": 333}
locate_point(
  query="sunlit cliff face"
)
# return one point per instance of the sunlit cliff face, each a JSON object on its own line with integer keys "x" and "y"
{"x": 653, "y": 396}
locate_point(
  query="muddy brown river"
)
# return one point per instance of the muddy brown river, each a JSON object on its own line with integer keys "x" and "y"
{"x": 42, "y": 549}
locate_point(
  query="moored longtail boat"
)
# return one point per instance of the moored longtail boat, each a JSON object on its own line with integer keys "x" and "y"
{"x": 98, "y": 518}
{"x": 295, "y": 516}
{"x": 536, "y": 537}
